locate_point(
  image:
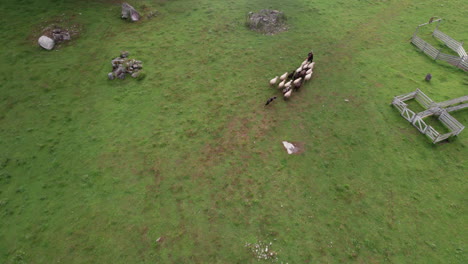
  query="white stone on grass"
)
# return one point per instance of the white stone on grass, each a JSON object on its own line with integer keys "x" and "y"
{"x": 46, "y": 42}
{"x": 290, "y": 148}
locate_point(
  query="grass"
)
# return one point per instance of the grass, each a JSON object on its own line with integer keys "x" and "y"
{"x": 96, "y": 171}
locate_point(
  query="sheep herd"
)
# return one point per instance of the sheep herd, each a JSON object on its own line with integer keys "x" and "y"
{"x": 292, "y": 81}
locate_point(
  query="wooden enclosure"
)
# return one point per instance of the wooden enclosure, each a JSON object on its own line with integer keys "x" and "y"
{"x": 441, "y": 110}
{"x": 460, "y": 61}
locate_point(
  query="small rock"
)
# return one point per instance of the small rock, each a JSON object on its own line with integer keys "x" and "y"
{"x": 66, "y": 36}
{"x": 124, "y": 54}
{"x": 46, "y": 42}
{"x": 290, "y": 148}
{"x": 346, "y": 100}
{"x": 119, "y": 71}
{"x": 57, "y": 37}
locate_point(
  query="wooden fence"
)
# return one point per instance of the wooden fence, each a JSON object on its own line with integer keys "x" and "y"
{"x": 432, "y": 108}
{"x": 461, "y": 61}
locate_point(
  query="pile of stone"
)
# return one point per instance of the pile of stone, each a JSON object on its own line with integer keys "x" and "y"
{"x": 60, "y": 35}
{"x": 267, "y": 21}
{"x": 55, "y": 36}
{"x": 122, "y": 65}
{"x": 129, "y": 12}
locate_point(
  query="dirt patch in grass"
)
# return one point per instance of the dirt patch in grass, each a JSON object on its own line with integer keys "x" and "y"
{"x": 238, "y": 133}
{"x": 267, "y": 21}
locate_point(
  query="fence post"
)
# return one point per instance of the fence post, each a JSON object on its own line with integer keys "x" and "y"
{"x": 415, "y": 32}
{"x": 437, "y": 26}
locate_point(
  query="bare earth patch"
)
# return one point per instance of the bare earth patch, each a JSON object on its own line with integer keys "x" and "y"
{"x": 267, "y": 21}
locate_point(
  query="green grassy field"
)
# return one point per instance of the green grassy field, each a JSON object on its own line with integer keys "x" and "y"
{"x": 96, "y": 171}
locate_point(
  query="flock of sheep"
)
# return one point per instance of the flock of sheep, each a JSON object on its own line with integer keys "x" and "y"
{"x": 295, "y": 79}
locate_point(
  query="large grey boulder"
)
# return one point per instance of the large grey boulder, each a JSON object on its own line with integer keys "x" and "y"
{"x": 129, "y": 12}
{"x": 46, "y": 42}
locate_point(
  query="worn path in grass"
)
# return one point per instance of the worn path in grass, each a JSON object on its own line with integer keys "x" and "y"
{"x": 97, "y": 171}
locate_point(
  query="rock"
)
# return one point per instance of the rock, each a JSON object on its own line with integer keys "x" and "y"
{"x": 46, "y": 42}
{"x": 123, "y": 54}
{"x": 60, "y": 35}
{"x": 122, "y": 65}
{"x": 290, "y": 148}
{"x": 134, "y": 15}
{"x": 121, "y": 76}
{"x": 129, "y": 12}
{"x": 119, "y": 70}
{"x": 57, "y": 37}
{"x": 66, "y": 36}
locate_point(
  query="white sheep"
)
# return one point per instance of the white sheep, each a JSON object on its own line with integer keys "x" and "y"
{"x": 299, "y": 69}
{"x": 297, "y": 81}
{"x": 273, "y": 81}
{"x": 308, "y": 76}
{"x": 311, "y": 65}
{"x": 287, "y": 94}
{"x": 309, "y": 71}
{"x": 281, "y": 84}
{"x": 288, "y": 83}
{"x": 284, "y": 76}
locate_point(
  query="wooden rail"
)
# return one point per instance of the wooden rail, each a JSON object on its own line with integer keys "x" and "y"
{"x": 456, "y": 108}
{"x": 458, "y": 100}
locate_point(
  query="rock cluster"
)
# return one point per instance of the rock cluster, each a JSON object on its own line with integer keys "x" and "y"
{"x": 60, "y": 35}
{"x": 52, "y": 37}
{"x": 129, "y": 12}
{"x": 267, "y": 21}
{"x": 122, "y": 65}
